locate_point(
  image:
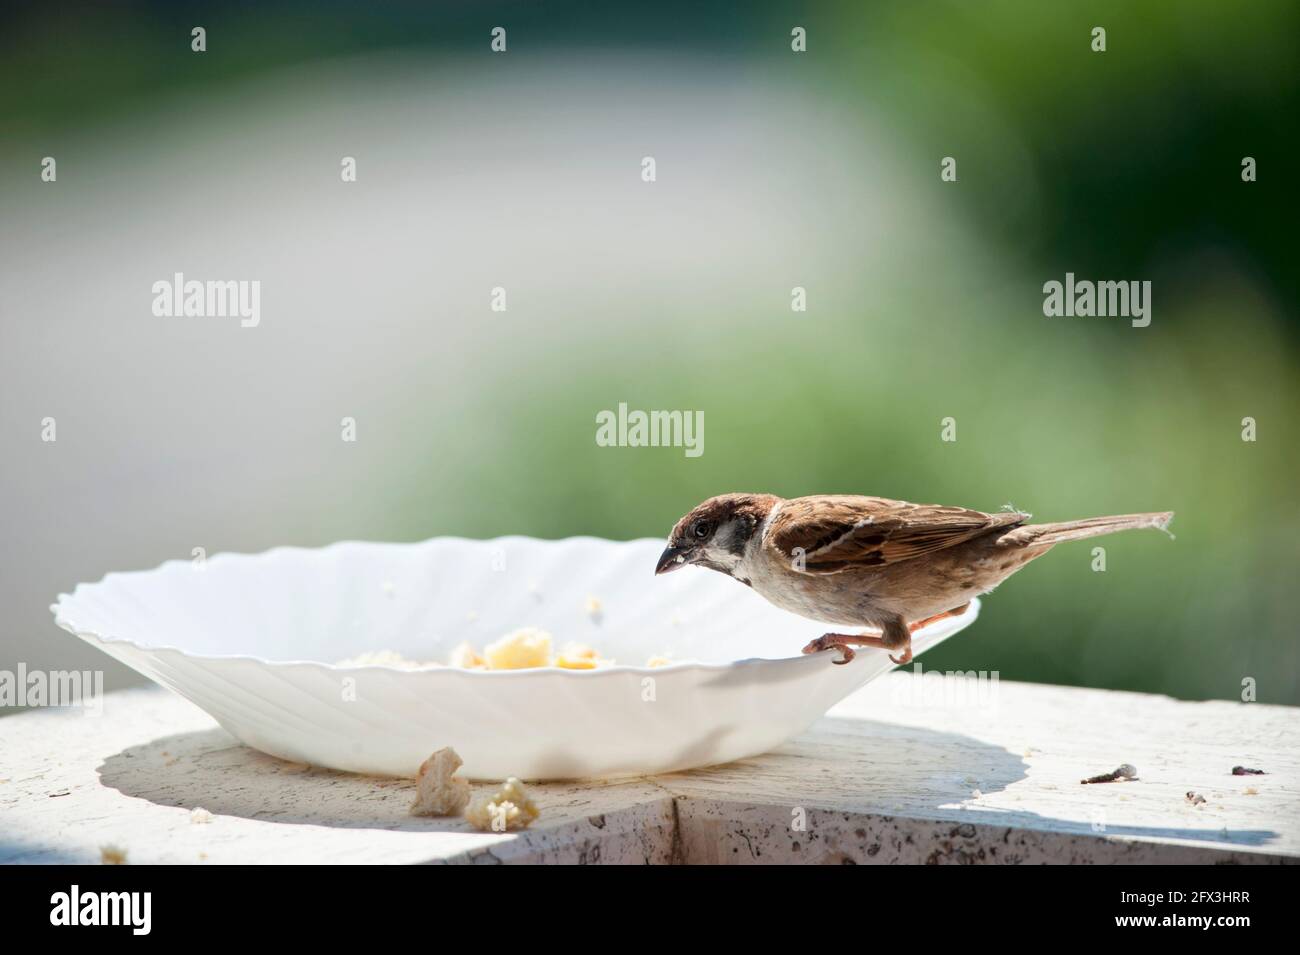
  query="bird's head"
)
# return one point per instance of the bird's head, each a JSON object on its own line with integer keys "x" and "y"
{"x": 716, "y": 533}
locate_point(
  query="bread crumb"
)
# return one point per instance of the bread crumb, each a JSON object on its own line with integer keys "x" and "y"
{"x": 467, "y": 658}
{"x": 521, "y": 649}
{"x": 510, "y": 808}
{"x": 593, "y": 607}
{"x": 579, "y": 656}
{"x": 388, "y": 587}
{"x": 472, "y": 616}
{"x": 528, "y": 647}
{"x": 200, "y": 816}
{"x": 437, "y": 791}
{"x": 568, "y": 661}
{"x": 112, "y": 855}
{"x": 1250, "y": 791}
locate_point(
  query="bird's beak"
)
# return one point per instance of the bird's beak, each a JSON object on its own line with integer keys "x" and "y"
{"x": 672, "y": 558}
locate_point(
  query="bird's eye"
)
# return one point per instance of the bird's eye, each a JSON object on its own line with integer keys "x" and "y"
{"x": 701, "y": 529}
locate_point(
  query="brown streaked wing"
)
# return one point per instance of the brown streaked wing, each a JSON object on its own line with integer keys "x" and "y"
{"x": 837, "y": 533}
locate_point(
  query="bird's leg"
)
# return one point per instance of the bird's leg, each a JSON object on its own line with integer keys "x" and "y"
{"x": 897, "y": 636}
{"x": 900, "y": 637}
{"x": 843, "y": 642}
{"x": 954, "y": 612}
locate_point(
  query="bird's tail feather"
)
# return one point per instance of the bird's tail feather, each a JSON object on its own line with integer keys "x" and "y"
{"x": 1035, "y": 534}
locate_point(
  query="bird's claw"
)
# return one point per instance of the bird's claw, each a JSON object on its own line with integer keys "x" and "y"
{"x": 821, "y": 643}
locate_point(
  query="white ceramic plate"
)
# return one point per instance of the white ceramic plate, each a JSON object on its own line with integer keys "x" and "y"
{"x": 251, "y": 638}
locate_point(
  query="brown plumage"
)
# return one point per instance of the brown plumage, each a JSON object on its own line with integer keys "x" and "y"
{"x": 870, "y": 561}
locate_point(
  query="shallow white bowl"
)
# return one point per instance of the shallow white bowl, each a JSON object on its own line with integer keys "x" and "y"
{"x": 251, "y": 638}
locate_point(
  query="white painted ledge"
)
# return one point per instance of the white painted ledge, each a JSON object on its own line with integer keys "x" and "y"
{"x": 882, "y": 778}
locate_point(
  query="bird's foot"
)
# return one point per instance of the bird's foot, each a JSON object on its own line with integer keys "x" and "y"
{"x": 833, "y": 641}
{"x": 844, "y": 642}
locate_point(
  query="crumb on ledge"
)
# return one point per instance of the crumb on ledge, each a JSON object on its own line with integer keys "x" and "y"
{"x": 438, "y": 791}
{"x": 1126, "y": 771}
{"x": 112, "y": 855}
{"x": 511, "y": 808}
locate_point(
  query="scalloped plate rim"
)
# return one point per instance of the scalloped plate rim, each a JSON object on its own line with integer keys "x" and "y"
{"x": 63, "y": 603}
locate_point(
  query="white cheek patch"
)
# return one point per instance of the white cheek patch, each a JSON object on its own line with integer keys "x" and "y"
{"x": 720, "y": 550}
{"x": 725, "y": 538}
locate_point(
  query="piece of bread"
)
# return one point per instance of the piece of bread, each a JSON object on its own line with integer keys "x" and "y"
{"x": 467, "y": 658}
{"x": 510, "y": 808}
{"x": 529, "y": 647}
{"x": 437, "y": 791}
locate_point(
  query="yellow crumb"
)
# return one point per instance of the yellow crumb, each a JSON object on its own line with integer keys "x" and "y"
{"x": 528, "y": 647}
{"x": 575, "y": 663}
{"x": 467, "y": 658}
{"x": 112, "y": 855}
{"x": 510, "y": 808}
{"x": 579, "y": 656}
{"x": 521, "y": 649}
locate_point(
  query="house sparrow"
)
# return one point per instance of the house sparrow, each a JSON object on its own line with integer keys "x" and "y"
{"x": 869, "y": 561}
